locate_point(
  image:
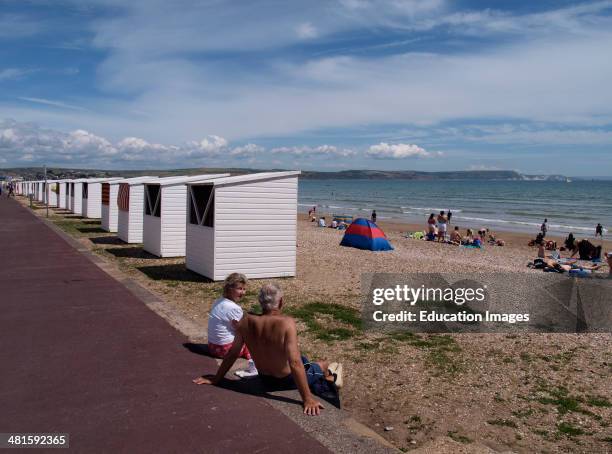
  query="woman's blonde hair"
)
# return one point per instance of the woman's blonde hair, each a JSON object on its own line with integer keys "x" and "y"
{"x": 232, "y": 281}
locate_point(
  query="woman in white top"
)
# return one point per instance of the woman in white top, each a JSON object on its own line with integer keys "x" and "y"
{"x": 224, "y": 311}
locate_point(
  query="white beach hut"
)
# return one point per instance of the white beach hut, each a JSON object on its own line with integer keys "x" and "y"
{"x": 165, "y": 217}
{"x": 245, "y": 224}
{"x": 110, "y": 208}
{"x": 130, "y": 201}
{"x": 63, "y": 194}
{"x": 40, "y": 191}
{"x": 76, "y": 200}
{"x": 92, "y": 197}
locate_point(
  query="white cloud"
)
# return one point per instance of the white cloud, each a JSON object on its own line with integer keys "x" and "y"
{"x": 322, "y": 150}
{"x": 13, "y": 73}
{"x": 53, "y": 103}
{"x": 247, "y": 150}
{"x": 398, "y": 151}
{"x": 306, "y": 31}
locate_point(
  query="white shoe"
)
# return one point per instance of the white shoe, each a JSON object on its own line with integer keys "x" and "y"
{"x": 250, "y": 371}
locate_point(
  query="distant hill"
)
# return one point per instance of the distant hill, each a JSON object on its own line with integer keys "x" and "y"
{"x": 36, "y": 173}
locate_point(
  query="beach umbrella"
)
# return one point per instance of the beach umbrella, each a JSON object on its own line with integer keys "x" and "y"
{"x": 364, "y": 234}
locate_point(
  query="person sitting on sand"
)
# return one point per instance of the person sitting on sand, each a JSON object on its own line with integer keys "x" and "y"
{"x": 223, "y": 312}
{"x": 541, "y": 251}
{"x": 455, "y": 237}
{"x": 272, "y": 339}
{"x": 322, "y": 221}
{"x": 442, "y": 221}
{"x": 587, "y": 250}
{"x": 334, "y": 224}
{"x": 468, "y": 239}
{"x": 570, "y": 242}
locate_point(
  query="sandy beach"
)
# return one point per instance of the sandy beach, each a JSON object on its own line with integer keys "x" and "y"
{"x": 457, "y": 392}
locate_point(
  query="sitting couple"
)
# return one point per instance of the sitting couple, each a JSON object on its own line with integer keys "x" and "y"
{"x": 271, "y": 339}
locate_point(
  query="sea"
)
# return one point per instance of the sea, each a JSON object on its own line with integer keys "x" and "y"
{"x": 521, "y": 206}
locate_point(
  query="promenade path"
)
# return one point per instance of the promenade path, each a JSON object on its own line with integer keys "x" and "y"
{"x": 80, "y": 354}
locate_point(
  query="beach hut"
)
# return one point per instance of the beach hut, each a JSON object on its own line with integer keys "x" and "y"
{"x": 165, "y": 217}
{"x": 76, "y": 196}
{"x": 110, "y": 209}
{"x": 63, "y": 194}
{"x": 364, "y": 234}
{"x": 130, "y": 201}
{"x": 245, "y": 224}
{"x": 40, "y": 194}
{"x": 92, "y": 197}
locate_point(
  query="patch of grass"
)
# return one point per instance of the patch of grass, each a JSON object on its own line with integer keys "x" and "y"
{"x": 498, "y": 398}
{"x": 541, "y": 432}
{"x": 569, "y": 430}
{"x": 526, "y": 357}
{"x": 523, "y": 413}
{"x": 440, "y": 349}
{"x": 607, "y": 439}
{"x": 560, "y": 397}
{"x": 348, "y": 319}
{"x": 460, "y": 438}
{"x": 598, "y": 401}
{"x": 502, "y": 422}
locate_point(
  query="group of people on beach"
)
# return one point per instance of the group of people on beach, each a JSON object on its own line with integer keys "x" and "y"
{"x": 269, "y": 343}
{"x": 437, "y": 228}
{"x": 589, "y": 255}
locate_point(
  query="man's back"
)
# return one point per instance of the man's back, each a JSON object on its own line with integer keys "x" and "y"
{"x": 266, "y": 338}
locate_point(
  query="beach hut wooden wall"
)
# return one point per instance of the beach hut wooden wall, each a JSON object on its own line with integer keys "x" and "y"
{"x": 110, "y": 209}
{"x": 63, "y": 194}
{"x": 40, "y": 191}
{"x": 92, "y": 197}
{"x": 245, "y": 224}
{"x": 165, "y": 216}
{"x": 71, "y": 195}
{"x": 130, "y": 200}
{"x": 77, "y": 196}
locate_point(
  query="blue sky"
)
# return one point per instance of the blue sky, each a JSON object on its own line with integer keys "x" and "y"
{"x": 323, "y": 85}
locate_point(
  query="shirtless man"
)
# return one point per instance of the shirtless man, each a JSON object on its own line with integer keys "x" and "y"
{"x": 272, "y": 340}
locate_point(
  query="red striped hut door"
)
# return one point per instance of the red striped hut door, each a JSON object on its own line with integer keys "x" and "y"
{"x": 105, "y": 194}
{"x": 123, "y": 199}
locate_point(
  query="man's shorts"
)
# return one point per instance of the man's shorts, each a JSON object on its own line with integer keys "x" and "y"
{"x": 315, "y": 376}
{"x": 221, "y": 351}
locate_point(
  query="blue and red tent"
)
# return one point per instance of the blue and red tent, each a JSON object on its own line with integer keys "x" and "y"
{"x": 364, "y": 234}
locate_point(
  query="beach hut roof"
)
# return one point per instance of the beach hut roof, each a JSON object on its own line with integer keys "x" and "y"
{"x": 135, "y": 180}
{"x": 169, "y": 181}
{"x": 248, "y": 178}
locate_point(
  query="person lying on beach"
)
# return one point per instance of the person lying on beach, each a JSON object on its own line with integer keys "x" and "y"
{"x": 272, "y": 340}
{"x": 224, "y": 311}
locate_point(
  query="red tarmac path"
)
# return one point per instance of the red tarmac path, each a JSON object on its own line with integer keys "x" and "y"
{"x": 82, "y": 355}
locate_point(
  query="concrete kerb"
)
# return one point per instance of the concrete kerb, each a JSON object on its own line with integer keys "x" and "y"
{"x": 334, "y": 428}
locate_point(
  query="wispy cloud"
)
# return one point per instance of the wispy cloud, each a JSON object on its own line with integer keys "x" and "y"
{"x": 49, "y": 102}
